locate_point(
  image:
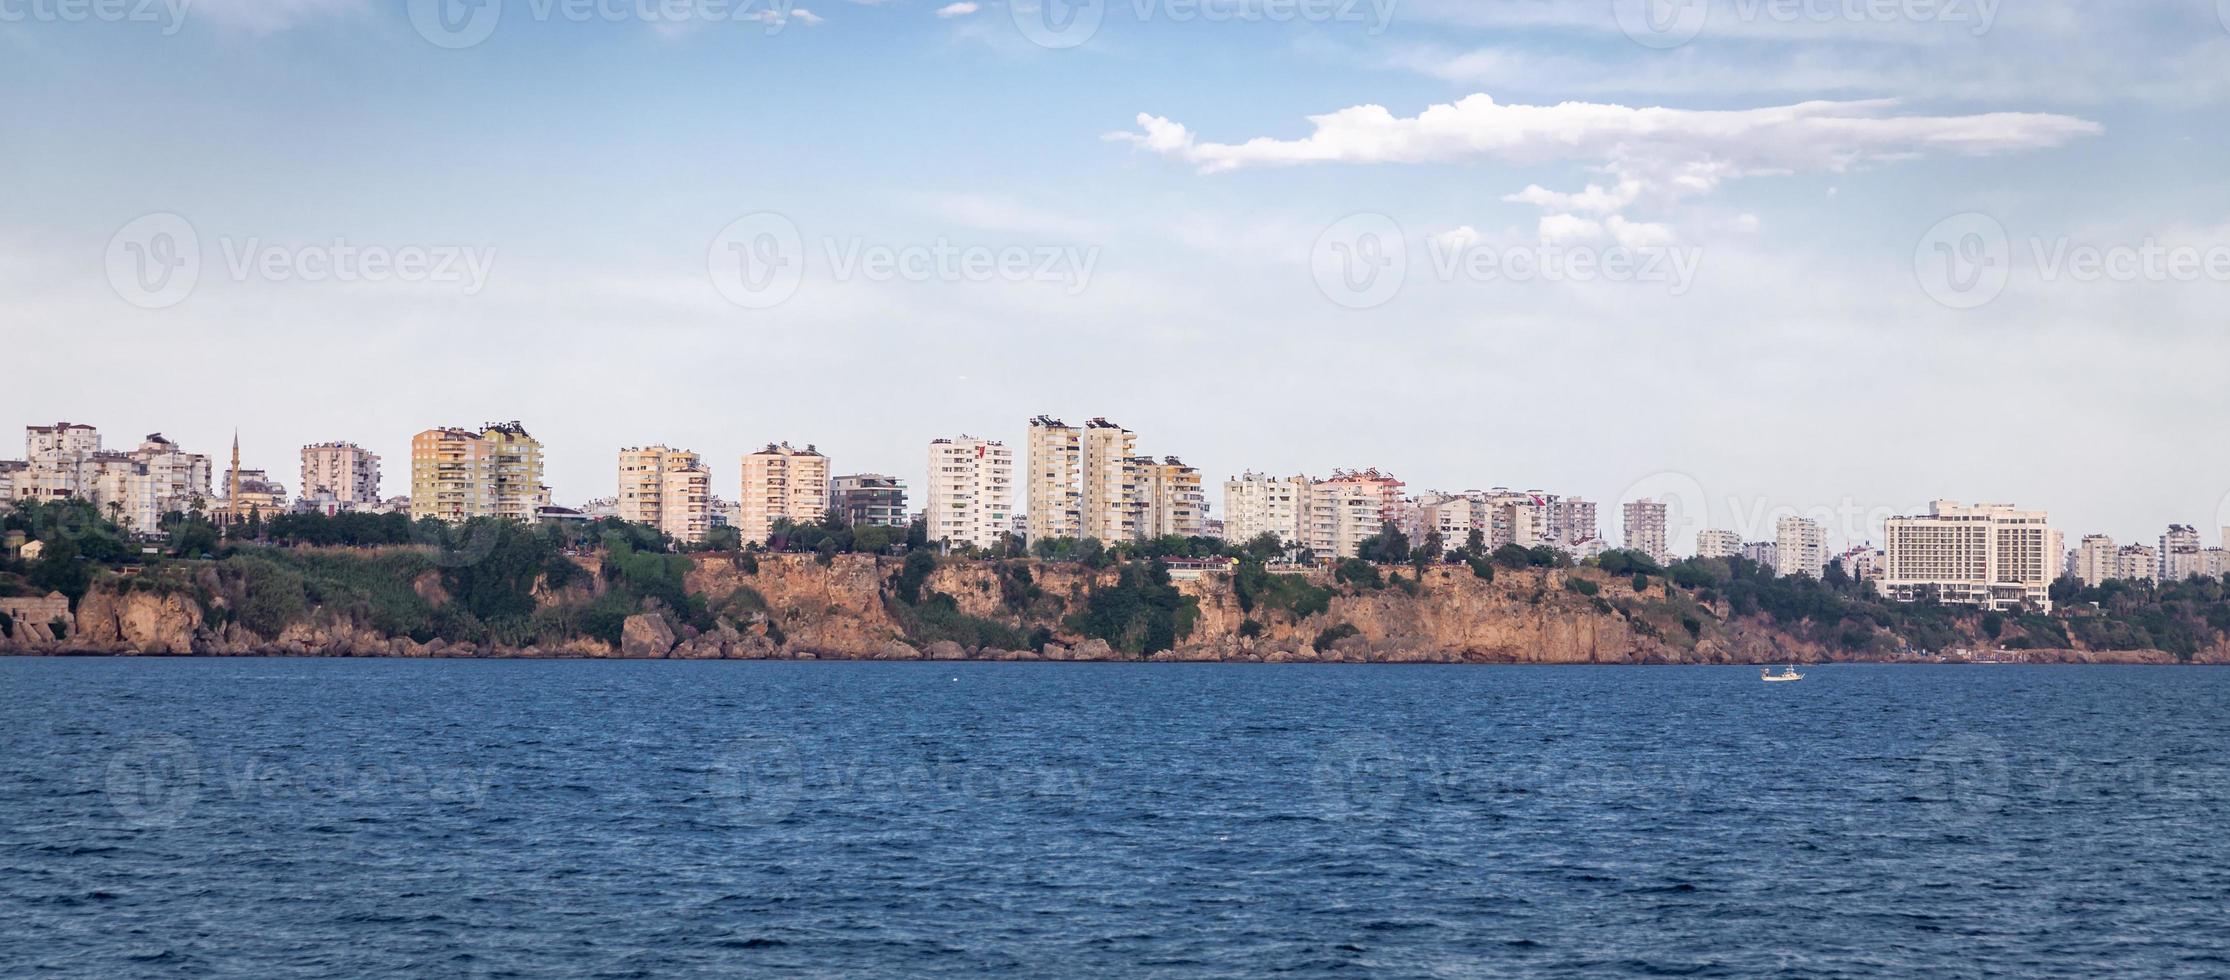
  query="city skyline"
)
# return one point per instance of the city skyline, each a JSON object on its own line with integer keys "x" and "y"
{"x": 1182, "y": 289}
{"x": 1752, "y": 519}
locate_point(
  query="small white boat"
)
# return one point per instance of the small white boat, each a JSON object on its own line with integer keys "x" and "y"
{"x": 1787, "y": 673}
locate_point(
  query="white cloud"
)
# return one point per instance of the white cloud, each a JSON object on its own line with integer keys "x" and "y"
{"x": 961, "y": 9}
{"x": 1690, "y": 147}
{"x": 1652, "y": 152}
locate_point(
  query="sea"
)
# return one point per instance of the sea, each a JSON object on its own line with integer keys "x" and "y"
{"x": 279, "y": 818}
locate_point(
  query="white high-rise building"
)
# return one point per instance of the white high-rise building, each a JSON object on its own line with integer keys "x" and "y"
{"x": 1644, "y": 526}
{"x": 1572, "y": 523}
{"x": 1713, "y": 543}
{"x": 1799, "y": 547}
{"x": 1255, "y": 504}
{"x": 1996, "y": 556}
{"x": 669, "y": 489}
{"x": 2180, "y": 554}
{"x": 343, "y": 473}
{"x": 971, "y": 491}
{"x": 1343, "y": 514}
{"x": 2096, "y": 560}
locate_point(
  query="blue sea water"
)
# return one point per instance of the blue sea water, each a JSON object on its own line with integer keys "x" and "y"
{"x": 331, "y": 818}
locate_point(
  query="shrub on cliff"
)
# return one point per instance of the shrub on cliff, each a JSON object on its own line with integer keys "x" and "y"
{"x": 1326, "y": 639}
{"x": 1360, "y": 574}
{"x": 1142, "y": 613}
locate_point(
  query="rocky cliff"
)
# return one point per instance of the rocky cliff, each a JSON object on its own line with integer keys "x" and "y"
{"x": 793, "y": 606}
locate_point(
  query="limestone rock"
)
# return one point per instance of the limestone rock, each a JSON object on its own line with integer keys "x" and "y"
{"x": 645, "y": 636}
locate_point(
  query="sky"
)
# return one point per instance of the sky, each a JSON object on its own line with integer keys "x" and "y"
{"x": 1756, "y": 257}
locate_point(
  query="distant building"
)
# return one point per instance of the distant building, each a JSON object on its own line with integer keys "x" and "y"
{"x": 1255, "y": 504}
{"x": 1799, "y": 547}
{"x": 135, "y": 489}
{"x": 971, "y": 491}
{"x": 1342, "y": 515}
{"x": 869, "y": 499}
{"x": 2137, "y": 563}
{"x": 343, "y": 473}
{"x": 782, "y": 483}
{"x": 1762, "y": 554}
{"x": 1995, "y": 556}
{"x": 1862, "y": 563}
{"x": 1713, "y": 543}
{"x": 458, "y": 474}
{"x": 666, "y": 488}
{"x": 1644, "y": 528}
{"x": 2096, "y": 560}
{"x": 2180, "y": 554}
{"x": 1166, "y": 497}
{"x": 1056, "y": 458}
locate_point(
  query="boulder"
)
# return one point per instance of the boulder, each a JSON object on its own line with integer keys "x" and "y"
{"x": 947, "y": 650}
{"x": 645, "y": 636}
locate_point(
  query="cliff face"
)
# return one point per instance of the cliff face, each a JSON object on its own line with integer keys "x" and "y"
{"x": 793, "y": 606}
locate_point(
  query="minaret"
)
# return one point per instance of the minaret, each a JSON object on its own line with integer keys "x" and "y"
{"x": 232, "y": 483}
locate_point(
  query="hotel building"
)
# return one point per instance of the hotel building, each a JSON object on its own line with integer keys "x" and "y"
{"x": 1995, "y": 556}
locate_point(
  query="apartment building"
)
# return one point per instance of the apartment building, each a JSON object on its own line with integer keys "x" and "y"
{"x": 1714, "y": 543}
{"x": 782, "y": 483}
{"x": 1255, "y": 504}
{"x": 1056, "y": 461}
{"x": 971, "y": 491}
{"x": 1513, "y": 518}
{"x": 1645, "y": 529}
{"x": 1342, "y": 514}
{"x": 1108, "y": 489}
{"x": 1167, "y": 499}
{"x": 135, "y": 488}
{"x": 459, "y": 474}
{"x": 343, "y": 473}
{"x": 869, "y": 499}
{"x": 1452, "y": 516}
{"x": 1799, "y": 547}
{"x": 2137, "y": 563}
{"x": 666, "y": 488}
{"x": 1572, "y": 523}
{"x": 2181, "y": 554}
{"x": 1995, "y": 556}
{"x": 2095, "y": 560}
{"x": 1762, "y": 554}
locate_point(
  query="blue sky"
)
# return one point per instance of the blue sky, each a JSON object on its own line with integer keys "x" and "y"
{"x": 1805, "y": 365}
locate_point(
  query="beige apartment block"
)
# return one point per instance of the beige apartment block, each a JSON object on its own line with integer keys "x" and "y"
{"x": 666, "y": 488}
{"x": 1170, "y": 499}
{"x": 782, "y": 483}
{"x": 459, "y": 474}
{"x": 1056, "y": 461}
{"x": 1799, "y": 547}
{"x": 1996, "y": 556}
{"x": 1108, "y": 487}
